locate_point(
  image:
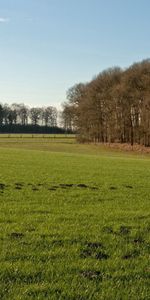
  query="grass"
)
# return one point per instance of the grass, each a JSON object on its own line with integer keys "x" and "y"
{"x": 35, "y": 135}
{"x": 74, "y": 222}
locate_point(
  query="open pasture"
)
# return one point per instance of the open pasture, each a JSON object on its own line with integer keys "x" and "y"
{"x": 35, "y": 136}
{"x": 74, "y": 222}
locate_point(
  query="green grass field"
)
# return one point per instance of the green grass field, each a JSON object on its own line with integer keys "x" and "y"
{"x": 74, "y": 221}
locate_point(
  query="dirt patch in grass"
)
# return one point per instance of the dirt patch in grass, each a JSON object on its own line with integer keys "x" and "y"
{"x": 82, "y": 185}
{"x": 2, "y": 186}
{"x": 38, "y": 186}
{"x": 66, "y": 184}
{"x": 101, "y": 255}
{"x": 95, "y": 250}
{"x": 16, "y": 235}
{"x": 18, "y": 188}
{"x": 19, "y": 183}
{"x": 35, "y": 189}
{"x": 94, "y": 245}
{"x": 131, "y": 254}
{"x": 113, "y": 188}
{"x": 72, "y": 185}
{"x": 51, "y": 189}
{"x": 91, "y": 275}
{"x": 108, "y": 229}
{"x": 128, "y": 186}
{"x": 138, "y": 240}
{"x": 123, "y": 230}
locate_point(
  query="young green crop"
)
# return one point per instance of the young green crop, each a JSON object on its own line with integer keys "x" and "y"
{"x": 75, "y": 223}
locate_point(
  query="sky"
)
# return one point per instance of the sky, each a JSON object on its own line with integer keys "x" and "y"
{"x": 47, "y": 46}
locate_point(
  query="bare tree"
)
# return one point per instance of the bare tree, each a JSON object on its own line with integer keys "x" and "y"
{"x": 35, "y": 114}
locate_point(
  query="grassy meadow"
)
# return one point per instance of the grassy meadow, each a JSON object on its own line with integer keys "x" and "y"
{"x": 74, "y": 221}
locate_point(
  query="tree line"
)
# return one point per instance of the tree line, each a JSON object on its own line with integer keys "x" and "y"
{"x": 23, "y": 115}
{"x": 19, "y": 118}
{"x": 113, "y": 107}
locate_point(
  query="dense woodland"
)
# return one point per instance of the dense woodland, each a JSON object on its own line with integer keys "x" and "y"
{"x": 113, "y": 107}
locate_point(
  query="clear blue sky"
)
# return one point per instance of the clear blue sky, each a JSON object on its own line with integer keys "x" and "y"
{"x": 46, "y": 46}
